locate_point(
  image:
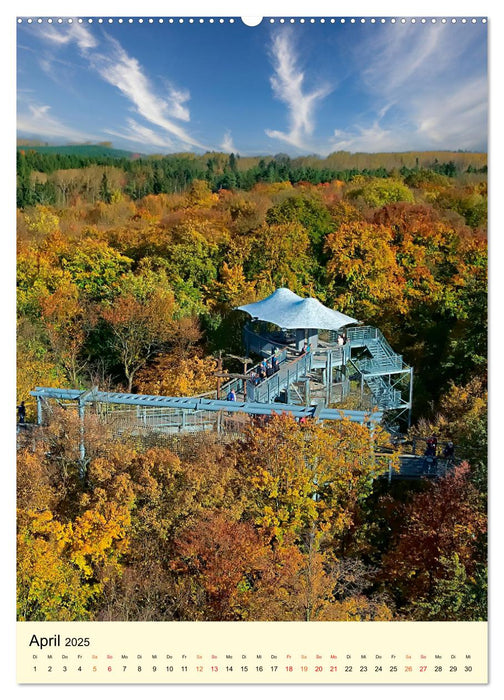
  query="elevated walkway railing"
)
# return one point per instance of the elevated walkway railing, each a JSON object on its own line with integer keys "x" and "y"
{"x": 386, "y": 397}
{"x": 288, "y": 373}
{"x": 362, "y": 336}
{"x": 198, "y": 404}
{"x": 237, "y": 385}
{"x": 383, "y": 365}
{"x": 340, "y": 354}
{"x": 359, "y": 335}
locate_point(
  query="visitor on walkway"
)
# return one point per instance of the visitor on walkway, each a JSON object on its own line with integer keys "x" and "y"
{"x": 231, "y": 396}
{"x": 449, "y": 450}
{"x": 431, "y": 448}
{"x": 274, "y": 364}
{"x": 269, "y": 370}
{"x": 21, "y": 410}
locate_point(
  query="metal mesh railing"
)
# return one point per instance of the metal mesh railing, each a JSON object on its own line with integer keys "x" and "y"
{"x": 287, "y": 374}
{"x": 237, "y": 385}
{"x": 375, "y": 365}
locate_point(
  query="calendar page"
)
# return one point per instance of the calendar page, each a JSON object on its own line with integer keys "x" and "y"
{"x": 251, "y": 411}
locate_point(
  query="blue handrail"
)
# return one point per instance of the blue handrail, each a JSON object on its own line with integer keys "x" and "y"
{"x": 288, "y": 373}
{"x": 236, "y": 385}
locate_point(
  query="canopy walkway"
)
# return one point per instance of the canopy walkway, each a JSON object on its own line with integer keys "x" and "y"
{"x": 136, "y": 414}
{"x": 381, "y": 371}
{"x": 291, "y": 370}
{"x": 179, "y": 408}
{"x": 298, "y": 381}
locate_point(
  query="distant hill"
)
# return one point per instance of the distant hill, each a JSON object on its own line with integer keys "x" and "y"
{"x": 84, "y": 150}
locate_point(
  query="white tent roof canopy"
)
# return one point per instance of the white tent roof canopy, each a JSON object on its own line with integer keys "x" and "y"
{"x": 288, "y": 310}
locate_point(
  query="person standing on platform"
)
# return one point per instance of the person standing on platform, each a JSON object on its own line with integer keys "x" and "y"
{"x": 21, "y": 411}
{"x": 449, "y": 450}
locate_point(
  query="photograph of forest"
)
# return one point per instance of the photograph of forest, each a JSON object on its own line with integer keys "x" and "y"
{"x": 138, "y": 237}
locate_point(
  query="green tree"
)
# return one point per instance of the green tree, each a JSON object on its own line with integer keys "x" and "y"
{"x": 96, "y": 269}
{"x": 310, "y": 212}
{"x": 381, "y": 191}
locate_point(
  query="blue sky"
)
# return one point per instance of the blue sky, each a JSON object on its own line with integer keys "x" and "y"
{"x": 291, "y": 88}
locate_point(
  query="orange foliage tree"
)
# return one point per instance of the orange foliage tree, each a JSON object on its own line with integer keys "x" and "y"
{"x": 140, "y": 328}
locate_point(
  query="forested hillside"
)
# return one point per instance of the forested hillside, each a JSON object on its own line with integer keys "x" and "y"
{"x": 128, "y": 273}
{"x": 54, "y": 175}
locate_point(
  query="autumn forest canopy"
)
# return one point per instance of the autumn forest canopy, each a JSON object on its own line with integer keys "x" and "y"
{"x": 128, "y": 273}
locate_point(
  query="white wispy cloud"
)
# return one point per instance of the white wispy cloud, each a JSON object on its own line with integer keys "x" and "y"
{"x": 125, "y": 73}
{"x": 227, "y": 144}
{"x": 142, "y": 135}
{"x": 37, "y": 121}
{"x": 288, "y": 86}
{"x": 427, "y": 90}
{"x": 371, "y": 138}
{"x": 459, "y": 119}
{"x": 116, "y": 67}
{"x": 74, "y": 32}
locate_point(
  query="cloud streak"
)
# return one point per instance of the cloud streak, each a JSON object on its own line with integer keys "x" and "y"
{"x": 287, "y": 83}
{"x": 137, "y": 133}
{"x": 125, "y": 73}
{"x": 427, "y": 90}
{"x": 38, "y": 121}
{"x": 227, "y": 144}
{"x": 116, "y": 67}
{"x": 71, "y": 33}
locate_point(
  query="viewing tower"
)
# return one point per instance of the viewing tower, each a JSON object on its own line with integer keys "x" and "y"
{"x": 342, "y": 353}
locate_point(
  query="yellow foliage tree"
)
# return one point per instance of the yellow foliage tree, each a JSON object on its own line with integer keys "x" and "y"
{"x": 233, "y": 289}
{"x": 309, "y": 477}
{"x": 200, "y": 195}
{"x": 35, "y": 367}
{"x": 63, "y": 319}
{"x": 172, "y": 375}
{"x": 363, "y": 273}
{"x": 41, "y": 221}
{"x": 49, "y": 585}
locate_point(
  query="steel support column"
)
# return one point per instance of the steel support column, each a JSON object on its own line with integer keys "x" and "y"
{"x": 410, "y": 397}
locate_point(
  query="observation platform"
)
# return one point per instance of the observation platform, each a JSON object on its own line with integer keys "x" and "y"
{"x": 310, "y": 356}
{"x": 382, "y": 373}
